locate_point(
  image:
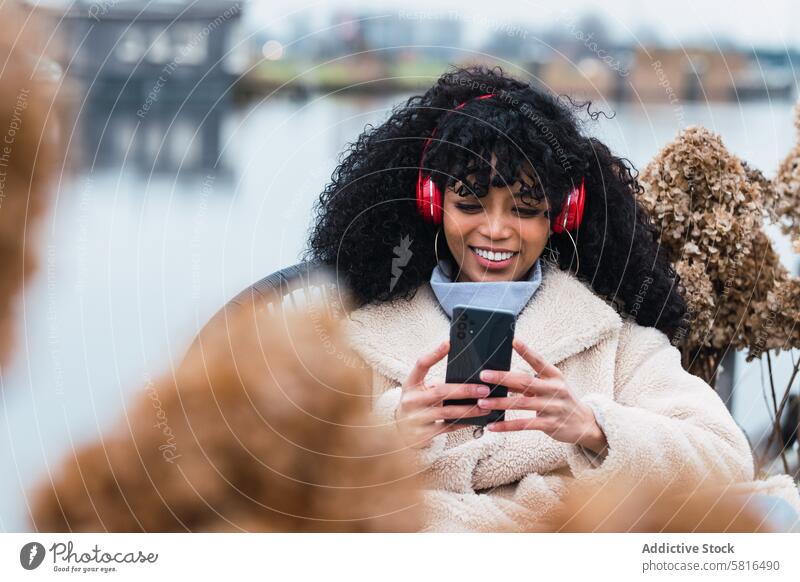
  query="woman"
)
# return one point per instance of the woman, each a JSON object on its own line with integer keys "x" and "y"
{"x": 484, "y": 191}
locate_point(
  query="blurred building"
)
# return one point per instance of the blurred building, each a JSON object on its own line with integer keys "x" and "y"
{"x": 690, "y": 74}
{"x": 128, "y": 43}
{"x": 156, "y": 78}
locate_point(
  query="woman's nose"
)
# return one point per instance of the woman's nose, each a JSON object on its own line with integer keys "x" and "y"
{"x": 494, "y": 226}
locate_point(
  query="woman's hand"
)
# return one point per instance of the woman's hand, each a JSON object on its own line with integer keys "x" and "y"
{"x": 558, "y": 413}
{"x": 420, "y": 413}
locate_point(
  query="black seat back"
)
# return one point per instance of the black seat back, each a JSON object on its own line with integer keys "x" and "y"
{"x": 294, "y": 287}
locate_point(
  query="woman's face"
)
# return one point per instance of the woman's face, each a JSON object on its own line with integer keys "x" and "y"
{"x": 497, "y": 237}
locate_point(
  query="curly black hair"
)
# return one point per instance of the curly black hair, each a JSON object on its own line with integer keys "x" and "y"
{"x": 369, "y": 210}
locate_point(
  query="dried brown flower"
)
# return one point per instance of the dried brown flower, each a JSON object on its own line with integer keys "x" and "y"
{"x": 787, "y": 187}
{"x": 711, "y": 207}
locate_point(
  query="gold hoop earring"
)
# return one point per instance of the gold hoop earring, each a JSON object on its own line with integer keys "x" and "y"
{"x": 577, "y": 258}
{"x": 551, "y": 252}
{"x": 555, "y": 253}
{"x": 436, "y": 245}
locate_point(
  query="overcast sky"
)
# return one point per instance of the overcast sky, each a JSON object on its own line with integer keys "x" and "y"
{"x": 772, "y": 23}
{"x": 747, "y": 22}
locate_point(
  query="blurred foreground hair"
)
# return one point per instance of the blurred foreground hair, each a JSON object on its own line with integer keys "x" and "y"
{"x": 29, "y": 154}
{"x": 619, "y": 506}
{"x": 262, "y": 428}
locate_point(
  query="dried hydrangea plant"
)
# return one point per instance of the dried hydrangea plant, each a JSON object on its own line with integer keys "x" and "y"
{"x": 711, "y": 208}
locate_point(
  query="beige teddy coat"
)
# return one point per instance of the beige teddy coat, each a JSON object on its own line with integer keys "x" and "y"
{"x": 660, "y": 421}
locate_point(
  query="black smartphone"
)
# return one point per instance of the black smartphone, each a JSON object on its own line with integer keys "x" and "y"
{"x": 480, "y": 339}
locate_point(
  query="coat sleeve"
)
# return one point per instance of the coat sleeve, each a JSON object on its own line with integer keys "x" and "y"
{"x": 662, "y": 422}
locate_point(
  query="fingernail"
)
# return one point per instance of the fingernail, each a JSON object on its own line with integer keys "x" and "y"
{"x": 483, "y": 391}
{"x": 483, "y": 403}
{"x": 488, "y": 376}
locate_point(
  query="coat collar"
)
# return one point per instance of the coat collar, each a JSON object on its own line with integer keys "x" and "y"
{"x": 563, "y": 318}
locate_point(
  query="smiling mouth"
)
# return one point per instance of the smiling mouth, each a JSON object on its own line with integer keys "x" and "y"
{"x": 494, "y": 256}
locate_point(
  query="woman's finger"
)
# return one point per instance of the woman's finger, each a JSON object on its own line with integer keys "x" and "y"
{"x": 534, "y": 423}
{"x": 541, "y": 405}
{"x": 434, "y": 395}
{"x": 541, "y": 366}
{"x": 455, "y": 411}
{"x": 416, "y": 378}
{"x": 520, "y": 382}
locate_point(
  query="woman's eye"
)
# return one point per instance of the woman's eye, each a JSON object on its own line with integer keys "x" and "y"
{"x": 529, "y": 211}
{"x": 523, "y": 212}
{"x": 469, "y": 207}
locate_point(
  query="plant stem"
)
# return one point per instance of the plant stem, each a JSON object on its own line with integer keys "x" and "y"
{"x": 779, "y": 409}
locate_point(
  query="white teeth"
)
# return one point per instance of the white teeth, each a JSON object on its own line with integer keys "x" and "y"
{"x": 492, "y": 256}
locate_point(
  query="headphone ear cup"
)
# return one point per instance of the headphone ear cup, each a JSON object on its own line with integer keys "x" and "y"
{"x": 561, "y": 222}
{"x": 421, "y": 195}
{"x": 579, "y": 202}
{"x": 571, "y": 215}
{"x": 429, "y": 200}
{"x": 438, "y": 211}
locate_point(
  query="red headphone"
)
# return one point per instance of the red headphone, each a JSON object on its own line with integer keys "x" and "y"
{"x": 429, "y": 197}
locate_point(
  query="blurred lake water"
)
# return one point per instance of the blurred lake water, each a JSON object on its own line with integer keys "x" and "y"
{"x": 145, "y": 243}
